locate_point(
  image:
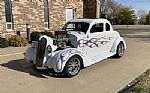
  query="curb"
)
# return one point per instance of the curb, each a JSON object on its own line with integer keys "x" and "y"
{"x": 133, "y": 83}
{"x": 129, "y": 86}
{"x": 11, "y": 54}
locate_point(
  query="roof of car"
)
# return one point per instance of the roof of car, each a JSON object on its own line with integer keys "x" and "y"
{"x": 90, "y": 20}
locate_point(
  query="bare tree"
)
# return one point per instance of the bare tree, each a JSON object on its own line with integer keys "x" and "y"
{"x": 141, "y": 14}
{"x": 109, "y": 7}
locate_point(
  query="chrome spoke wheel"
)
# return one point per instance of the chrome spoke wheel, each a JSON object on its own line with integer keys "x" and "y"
{"x": 74, "y": 66}
{"x": 120, "y": 50}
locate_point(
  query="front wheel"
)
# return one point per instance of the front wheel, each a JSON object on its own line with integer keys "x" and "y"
{"x": 120, "y": 50}
{"x": 73, "y": 66}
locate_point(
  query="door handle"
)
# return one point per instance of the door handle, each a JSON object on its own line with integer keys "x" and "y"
{"x": 87, "y": 36}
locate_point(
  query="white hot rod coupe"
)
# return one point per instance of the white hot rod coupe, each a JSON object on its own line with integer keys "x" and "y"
{"x": 81, "y": 43}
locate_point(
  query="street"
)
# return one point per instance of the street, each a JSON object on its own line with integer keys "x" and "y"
{"x": 107, "y": 76}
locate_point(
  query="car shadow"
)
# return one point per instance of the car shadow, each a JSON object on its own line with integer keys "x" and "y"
{"x": 27, "y": 67}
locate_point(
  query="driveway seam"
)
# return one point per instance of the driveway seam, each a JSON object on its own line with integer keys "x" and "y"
{"x": 11, "y": 54}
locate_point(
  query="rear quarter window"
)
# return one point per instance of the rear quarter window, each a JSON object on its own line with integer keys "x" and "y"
{"x": 107, "y": 27}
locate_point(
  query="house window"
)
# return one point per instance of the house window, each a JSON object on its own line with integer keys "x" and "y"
{"x": 46, "y": 14}
{"x": 8, "y": 15}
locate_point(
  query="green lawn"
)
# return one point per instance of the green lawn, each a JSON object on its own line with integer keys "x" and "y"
{"x": 143, "y": 86}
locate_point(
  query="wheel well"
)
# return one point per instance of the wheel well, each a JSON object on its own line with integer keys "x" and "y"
{"x": 121, "y": 42}
{"x": 116, "y": 55}
{"x": 82, "y": 65}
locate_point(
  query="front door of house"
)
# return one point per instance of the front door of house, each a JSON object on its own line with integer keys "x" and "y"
{"x": 69, "y": 14}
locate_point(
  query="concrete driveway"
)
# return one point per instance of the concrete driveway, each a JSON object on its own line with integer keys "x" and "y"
{"x": 108, "y": 76}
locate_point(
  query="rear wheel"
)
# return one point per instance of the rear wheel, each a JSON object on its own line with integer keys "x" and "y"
{"x": 73, "y": 66}
{"x": 120, "y": 50}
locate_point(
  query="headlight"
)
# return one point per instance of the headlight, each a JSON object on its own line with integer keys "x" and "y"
{"x": 49, "y": 48}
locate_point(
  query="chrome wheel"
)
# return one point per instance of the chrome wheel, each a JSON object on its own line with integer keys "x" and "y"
{"x": 120, "y": 49}
{"x": 73, "y": 66}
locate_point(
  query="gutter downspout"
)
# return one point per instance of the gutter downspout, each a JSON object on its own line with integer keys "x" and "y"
{"x": 97, "y": 14}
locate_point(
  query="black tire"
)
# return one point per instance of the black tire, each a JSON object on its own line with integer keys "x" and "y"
{"x": 73, "y": 66}
{"x": 120, "y": 50}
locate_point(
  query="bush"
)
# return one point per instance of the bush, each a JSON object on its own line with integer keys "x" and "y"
{"x": 36, "y": 35}
{"x": 17, "y": 41}
{"x": 50, "y": 34}
{"x": 3, "y": 43}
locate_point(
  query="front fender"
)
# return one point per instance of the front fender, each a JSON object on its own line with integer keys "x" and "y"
{"x": 60, "y": 59}
{"x": 117, "y": 41}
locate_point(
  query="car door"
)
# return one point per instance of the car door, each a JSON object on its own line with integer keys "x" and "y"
{"x": 110, "y": 37}
{"x": 95, "y": 40}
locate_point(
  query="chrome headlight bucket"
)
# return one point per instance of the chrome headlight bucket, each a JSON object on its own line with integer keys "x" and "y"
{"x": 49, "y": 48}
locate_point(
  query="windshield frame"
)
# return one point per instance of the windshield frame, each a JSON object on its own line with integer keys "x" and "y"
{"x": 85, "y": 29}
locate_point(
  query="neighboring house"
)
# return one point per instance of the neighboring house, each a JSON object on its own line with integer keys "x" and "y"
{"x": 43, "y": 15}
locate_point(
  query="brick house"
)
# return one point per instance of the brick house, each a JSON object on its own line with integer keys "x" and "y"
{"x": 43, "y": 15}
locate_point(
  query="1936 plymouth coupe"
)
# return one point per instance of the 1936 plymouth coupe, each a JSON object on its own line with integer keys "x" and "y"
{"x": 81, "y": 43}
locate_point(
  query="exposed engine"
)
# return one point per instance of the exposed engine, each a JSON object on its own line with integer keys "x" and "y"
{"x": 65, "y": 40}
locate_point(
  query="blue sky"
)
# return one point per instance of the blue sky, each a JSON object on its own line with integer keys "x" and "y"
{"x": 136, "y": 4}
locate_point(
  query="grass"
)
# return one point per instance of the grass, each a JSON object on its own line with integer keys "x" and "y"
{"x": 143, "y": 86}
{"x": 140, "y": 89}
{"x": 139, "y": 85}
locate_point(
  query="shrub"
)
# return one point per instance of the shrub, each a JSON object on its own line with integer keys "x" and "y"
{"x": 17, "y": 41}
{"x": 50, "y": 34}
{"x": 3, "y": 43}
{"x": 36, "y": 35}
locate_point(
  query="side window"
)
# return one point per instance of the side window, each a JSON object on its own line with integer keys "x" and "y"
{"x": 107, "y": 27}
{"x": 97, "y": 28}
{"x": 46, "y": 14}
{"x": 8, "y": 15}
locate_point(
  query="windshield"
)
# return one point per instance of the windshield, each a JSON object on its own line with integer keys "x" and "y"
{"x": 76, "y": 26}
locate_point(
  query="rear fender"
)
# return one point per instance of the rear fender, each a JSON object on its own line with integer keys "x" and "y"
{"x": 115, "y": 45}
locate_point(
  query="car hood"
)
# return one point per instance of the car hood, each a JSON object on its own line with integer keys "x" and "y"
{"x": 78, "y": 34}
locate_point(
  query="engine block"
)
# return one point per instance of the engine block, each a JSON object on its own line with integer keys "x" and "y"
{"x": 61, "y": 39}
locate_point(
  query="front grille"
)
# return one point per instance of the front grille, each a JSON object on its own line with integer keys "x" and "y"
{"x": 40, "y": 52}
